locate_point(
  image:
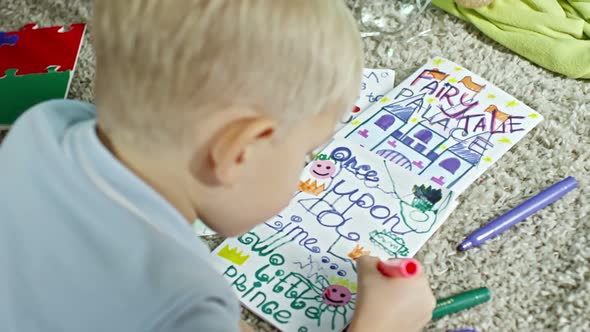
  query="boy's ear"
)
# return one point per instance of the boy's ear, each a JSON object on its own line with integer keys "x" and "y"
{"x": 231, "y": 148}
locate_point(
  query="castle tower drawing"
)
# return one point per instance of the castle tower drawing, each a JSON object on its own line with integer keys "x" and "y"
{"x": 398, "y": 133}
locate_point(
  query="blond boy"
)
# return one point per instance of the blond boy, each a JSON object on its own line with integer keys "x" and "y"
{"x": 204, "y": 109}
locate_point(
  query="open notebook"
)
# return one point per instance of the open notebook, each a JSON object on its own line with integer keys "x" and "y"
{"x": 385, "y": 183}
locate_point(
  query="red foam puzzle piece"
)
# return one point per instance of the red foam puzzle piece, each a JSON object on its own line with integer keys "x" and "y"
{"x": 38, "y": 49}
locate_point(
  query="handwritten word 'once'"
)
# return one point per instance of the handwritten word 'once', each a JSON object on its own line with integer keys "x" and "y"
{"x": 349, "y": 162}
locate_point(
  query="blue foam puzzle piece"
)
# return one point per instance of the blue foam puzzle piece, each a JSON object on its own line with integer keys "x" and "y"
{"x": 10, "y": 40}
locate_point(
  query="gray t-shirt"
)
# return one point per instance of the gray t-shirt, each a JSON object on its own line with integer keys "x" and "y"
{"x": 85, "y": 245}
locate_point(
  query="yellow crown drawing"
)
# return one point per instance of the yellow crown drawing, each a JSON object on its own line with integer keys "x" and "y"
{"x": 312, "y": 187}
{"x": 233, "y": 255}
{"x": 343, "y": 282}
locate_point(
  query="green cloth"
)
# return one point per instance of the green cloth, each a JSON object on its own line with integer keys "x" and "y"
{"x": 554, "y": 34}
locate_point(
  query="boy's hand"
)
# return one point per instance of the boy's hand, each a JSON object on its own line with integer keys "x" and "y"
{"x": 390, "y": 304}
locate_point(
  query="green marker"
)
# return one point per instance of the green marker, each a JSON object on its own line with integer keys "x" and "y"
{"x": 456, "y": 303}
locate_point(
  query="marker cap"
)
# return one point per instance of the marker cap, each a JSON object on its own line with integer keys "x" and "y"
{"x": 399, "y": 267}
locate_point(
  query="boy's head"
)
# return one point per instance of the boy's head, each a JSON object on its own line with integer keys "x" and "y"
{"x": 220, "y": 100}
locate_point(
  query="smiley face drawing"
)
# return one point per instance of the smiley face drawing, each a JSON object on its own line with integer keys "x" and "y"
{"x": 322, "y": 171}
{"x": 336, "y": 295}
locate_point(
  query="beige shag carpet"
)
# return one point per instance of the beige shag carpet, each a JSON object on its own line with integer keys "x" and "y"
{"x": 539, "y": 272}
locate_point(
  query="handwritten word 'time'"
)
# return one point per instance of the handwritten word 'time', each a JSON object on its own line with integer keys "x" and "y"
{"x": 342, "y": 201}
{"x": 284, "y": 233}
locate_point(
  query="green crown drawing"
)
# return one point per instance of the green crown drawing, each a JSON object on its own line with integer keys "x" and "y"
{"x": 425, "y": 197}
{"x": 394, "y": 245}
{"x": 323, "y": 156}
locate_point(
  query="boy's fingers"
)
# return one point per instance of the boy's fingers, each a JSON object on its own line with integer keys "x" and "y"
{"x": 366, "y": 264}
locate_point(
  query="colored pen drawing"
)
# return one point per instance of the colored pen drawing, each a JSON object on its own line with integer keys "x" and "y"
{"x": 233, "y": 255}
{"x": 394, "y": 245}
{"x": 357, "y": 252}
{"x": 300, "y": 274}
{"x": 431, "y": 109}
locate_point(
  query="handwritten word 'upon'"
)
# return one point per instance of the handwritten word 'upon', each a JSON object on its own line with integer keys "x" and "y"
{"x": 344, "y": 199}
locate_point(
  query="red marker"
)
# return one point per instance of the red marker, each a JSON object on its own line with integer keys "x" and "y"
{"x": 399, "y": 268}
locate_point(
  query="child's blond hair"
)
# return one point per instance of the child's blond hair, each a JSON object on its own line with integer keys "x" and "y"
{"x": 159, "y": 62}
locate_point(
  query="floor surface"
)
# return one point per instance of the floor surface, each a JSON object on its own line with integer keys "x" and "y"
{"x": 539, "y": 272}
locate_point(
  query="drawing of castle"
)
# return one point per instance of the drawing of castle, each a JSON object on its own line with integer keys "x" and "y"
{"x": 396, "y": 134}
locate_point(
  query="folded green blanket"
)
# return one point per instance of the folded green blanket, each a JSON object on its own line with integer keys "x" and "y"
{"x": 554, "y": 34}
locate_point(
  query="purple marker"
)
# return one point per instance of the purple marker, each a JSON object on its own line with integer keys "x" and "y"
{"x": 519, "y": 213}
{"x": 463, "y": 331}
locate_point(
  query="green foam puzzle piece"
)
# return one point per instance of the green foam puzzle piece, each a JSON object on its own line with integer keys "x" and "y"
{"x": 19, "y": 93}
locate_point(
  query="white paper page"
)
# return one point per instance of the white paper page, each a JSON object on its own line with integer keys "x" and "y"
{"x": 297, "y": 270}
{"x": 445, "y": 123}
{"x": 375, "y": 84}
{"x": 201, "y": 229}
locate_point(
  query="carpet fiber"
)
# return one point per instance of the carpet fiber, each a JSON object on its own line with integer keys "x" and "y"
{"x": 539, "y": 272}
